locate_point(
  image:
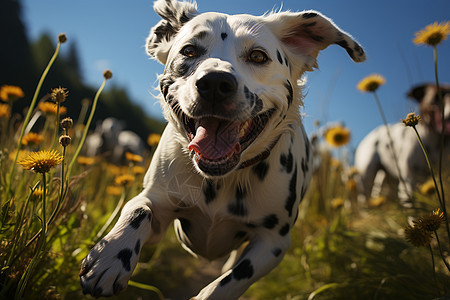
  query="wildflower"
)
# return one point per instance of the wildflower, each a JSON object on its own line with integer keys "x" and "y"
{"x": 428, "y": 187}
{"x": 138, "y": 170}
{"x": 65, "y": 140}
{"x": 153, "y": 139}
{"x": 66, "y": 123}
{"x": 62, "y": 38}
{"x": 433, "y": 34}
{"x": 337, "y": 136}
{"x": 432, "y": 222}
{"x": 37, "y": 193}
{"x": 11, "y": 93}
{"x": 124, "y": 179}
{"x": 114, "y": 190}
{"x": 411, "y": 120}
{"x": 417, "y": 236}
{"x": 107, "y": 74}
{"x": 41, "y": 161}
{"x": 59, "y": 94}
{"x": 371, "y": 83}
{"x": 377, "y": 201}
{"x": 86, "y": 161}
{"x": 337, "y": 203}
{"x": 51, "y": 108}
{"x": 22, "y": 154}
{"x": 4, "y": 111}
{"x": 32, "y": 138}
{"x": 133, "y": 157}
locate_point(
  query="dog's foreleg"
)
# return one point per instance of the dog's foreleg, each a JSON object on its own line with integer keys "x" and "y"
{"x": 258, "y": 259}
{"x": 108, "y": 266}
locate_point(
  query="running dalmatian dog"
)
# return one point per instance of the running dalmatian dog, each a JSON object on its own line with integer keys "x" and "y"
{"x": 234, "y": 160}
{"x": 374, "y": 153}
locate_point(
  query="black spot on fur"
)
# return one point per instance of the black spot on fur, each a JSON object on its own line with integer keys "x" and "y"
{"x": 226, "y": 280}
{"x": 287, "y": 161}
{"x": 209, "y": 191}
{"x": 276, "y": 251}
{"x": 137, "y": 217}
{"x": 238, "y": 208}
{"x": 200, "y": 35}
{"x": 243, "y": 270}
{"x": 125, "y": 257}
{"x": 223, "y": 36}
{"x": 286, "y": 62}
{"x": 164, "y": 85}
{"x": 309, "y": 15}
{"x": 186, "y": 225}
{"x": 284, "y": 230}
{"x": 344, "y": 44}
{"x": 280, "y": 60}
{"x": 270, "y": 221}
{"x": 296, "y": 214}
{"x": 250, "y": 225}
{"x": 261, "y": 170}
{"x": 290, "y": 96}
{"x": 310, "y": 24}
{"x": 290, "y": 201}
{"x": 137, "y": 247}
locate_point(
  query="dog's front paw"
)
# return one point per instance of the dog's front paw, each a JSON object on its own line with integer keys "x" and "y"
{"x": 107, "y": 268}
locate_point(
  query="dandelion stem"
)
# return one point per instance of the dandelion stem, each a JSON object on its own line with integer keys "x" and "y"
{"x": 391, "y": 143}
{"x": 86, "y": 128}
{"x": 146, "y": 287}
{"x": 434, "y": 270}
{"x": 440, "y": 251}
{"x": 442, "y": 141}
{"x": 25, "y": 123}
{"x": 113, "y": 215}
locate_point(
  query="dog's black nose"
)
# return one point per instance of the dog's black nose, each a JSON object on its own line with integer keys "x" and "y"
{"x": 217, "y": 86}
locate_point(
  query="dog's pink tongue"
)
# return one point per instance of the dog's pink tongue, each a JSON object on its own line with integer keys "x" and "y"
{"x": 215, "y": 139}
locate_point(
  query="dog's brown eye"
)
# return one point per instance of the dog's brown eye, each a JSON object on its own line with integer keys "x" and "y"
{"x": 258, "y": 56}
{"x": 189, "y": 51}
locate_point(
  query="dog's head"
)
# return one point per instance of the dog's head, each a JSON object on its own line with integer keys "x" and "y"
{"x": 430, "y": 107}
{"x": 230, "y": 81}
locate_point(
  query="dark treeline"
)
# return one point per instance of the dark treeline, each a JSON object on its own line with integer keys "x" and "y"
{"x": 22, "y": 62}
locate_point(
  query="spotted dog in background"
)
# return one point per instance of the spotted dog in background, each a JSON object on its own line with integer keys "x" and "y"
{"x": 234, "y": 161}
{"x": 374, "y": 153}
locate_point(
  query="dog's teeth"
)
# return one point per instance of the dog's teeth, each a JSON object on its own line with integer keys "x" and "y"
{"x": 243, "y": 128}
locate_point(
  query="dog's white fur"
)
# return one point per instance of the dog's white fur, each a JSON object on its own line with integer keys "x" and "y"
{"x": 255, "y": 198}
{"x": 374, "y": 158}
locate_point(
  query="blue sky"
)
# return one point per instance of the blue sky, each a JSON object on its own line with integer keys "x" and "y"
{"x": 111, "y": 34}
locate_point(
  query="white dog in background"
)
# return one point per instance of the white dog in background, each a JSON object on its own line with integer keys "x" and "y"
{"x": 374, "y": 153}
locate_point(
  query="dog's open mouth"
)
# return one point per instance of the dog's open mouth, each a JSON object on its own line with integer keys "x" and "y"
{"x": 217, "y": 143}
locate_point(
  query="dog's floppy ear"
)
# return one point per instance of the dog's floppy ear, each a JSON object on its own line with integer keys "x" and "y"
{"x": 308, "y": 32}
{"x": 418, "y": 92}
{"x": 174, "y": 15}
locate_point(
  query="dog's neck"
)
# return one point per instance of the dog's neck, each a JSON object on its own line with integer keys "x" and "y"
{"x": 263, "y": 155}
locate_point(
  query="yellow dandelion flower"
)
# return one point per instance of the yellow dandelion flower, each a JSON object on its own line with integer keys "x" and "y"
{"x": 125, "y": 179}
{"x": 371, "y": 83}
{"x": 432, "y": 222}
{"x": 428, "y": 188}
{"x": 417, "y": 236}
{"x": 59, "y": 94}
{"x": 138, "y": 170}
{"x": 86, "y": 161}
{"x": 351, "y": 185}
{"x": 11, "y": 93}
{"x": 377, "y": 201}
{"x": 4, "y": 111}
{"x": 22, "y": 154}
{"x": 433, "y": 34}
{"x": 153, "y": 139}
{"x": 37, "y": 193}
{"x": 411, "y": 120}
{"x": 51, "y": 108}
{"x": 32, "y": 138}
{"x": 337, "y": 136}
{"x": 133, "y": 157}
{"x": 114, "y": 190}
{"x": 337, "y": 203}
{"x": 41, "y": 161}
